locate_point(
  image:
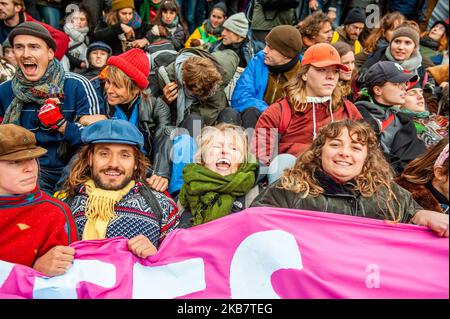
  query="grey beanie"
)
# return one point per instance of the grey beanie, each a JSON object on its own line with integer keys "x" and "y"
{"x": 34, "y": 29}
{"x": 238, "y": 24}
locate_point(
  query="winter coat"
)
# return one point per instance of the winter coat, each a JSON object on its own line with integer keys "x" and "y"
{"x": 177, "y": 37}
{"x": 80, "y": 99}
{"x": 399, "y": 140}
{"x": 380, "y": 55}
{"x": 226, "y": 62}
{"x": 251, "y": 85}
{"x": 341, "y": 35}
{"x": 266, "y": 20}
{"x": 110, "y": 35}
{"x": 340, "y": 199}
{"x": 298, "y": 134}
{"x": 245, "y": 50}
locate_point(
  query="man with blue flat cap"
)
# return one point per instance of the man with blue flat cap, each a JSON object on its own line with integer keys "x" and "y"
{"x": 107, "y": 192}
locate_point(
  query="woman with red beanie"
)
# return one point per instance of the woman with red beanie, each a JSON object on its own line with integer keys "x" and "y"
{"x": 127, "y": 97}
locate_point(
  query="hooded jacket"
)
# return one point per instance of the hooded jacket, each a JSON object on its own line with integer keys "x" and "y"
{"x": 399, "y": 141}
{"x": 300, "y": 131}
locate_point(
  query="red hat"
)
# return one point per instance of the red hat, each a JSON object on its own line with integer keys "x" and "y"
{"x": 135, "y": 64}
{"x": 322, "y": 55}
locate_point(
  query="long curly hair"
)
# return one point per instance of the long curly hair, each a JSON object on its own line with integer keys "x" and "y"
{"x": 295, "y": 92}
{"x": 81, "y": 169}
{"x": 375, "y": 178}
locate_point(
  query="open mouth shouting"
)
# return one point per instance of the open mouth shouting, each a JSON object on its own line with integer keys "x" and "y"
{"x": 30, "y": 68}
{"x": 223, "y": 164}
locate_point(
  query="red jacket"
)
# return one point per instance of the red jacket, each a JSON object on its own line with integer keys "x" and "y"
{"x": 298, "y": 135}
{"x": 30, "y": 228}
{"x": 61, "y": 39}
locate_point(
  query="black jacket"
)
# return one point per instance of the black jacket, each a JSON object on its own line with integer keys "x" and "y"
{"x": 340, "y": 199}
{"x": 399, "y": 140}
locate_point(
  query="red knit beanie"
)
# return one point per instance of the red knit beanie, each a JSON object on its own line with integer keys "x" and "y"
{"x": 135, "y": 64}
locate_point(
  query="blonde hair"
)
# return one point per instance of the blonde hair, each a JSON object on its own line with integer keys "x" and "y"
{"x": 421, "y": 170}
{"x": 210, "y": 133}
{"x": 375, "y": 178}
{"x": 81, "y": 170}
{"x": 295, "y": 91}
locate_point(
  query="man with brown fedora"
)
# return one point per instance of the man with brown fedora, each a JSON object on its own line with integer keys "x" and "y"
{"x": 36, "y": 228}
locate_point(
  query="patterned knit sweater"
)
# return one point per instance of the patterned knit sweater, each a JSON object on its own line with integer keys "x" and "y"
{"x": 32, "y": 224}
{"x": 134, "y": 216}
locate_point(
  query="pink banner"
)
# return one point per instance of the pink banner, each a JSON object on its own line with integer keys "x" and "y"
{"x": 258, "y": 253}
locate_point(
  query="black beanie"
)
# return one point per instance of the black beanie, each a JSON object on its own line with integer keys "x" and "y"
{"x": 355, "y": 15}
{"x": 35, "y": 29}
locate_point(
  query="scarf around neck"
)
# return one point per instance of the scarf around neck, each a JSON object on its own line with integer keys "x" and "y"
{"x": 217, "y": 32}
{"x": 50, "y": 85}
{"x": 210, "y": 195}
{"x": 428, "y": 42}
{"x": 278, "y": 69}
{"x": 76, "y": 35}
{"x": 100, "y": 208}
{"x": 412, "y": 64}
{"x": 172, "y": 25}
{"x": 11, "y": 201}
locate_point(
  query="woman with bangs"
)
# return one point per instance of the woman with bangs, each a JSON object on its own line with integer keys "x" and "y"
{"x": 312, "y": 100}
{"x": 167, "y": 25}
{"x": 345, "y": 172}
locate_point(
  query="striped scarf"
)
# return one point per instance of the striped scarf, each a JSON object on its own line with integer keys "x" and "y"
{"x": 50, "y": 85}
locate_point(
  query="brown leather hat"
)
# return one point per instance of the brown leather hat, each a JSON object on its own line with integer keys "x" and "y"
{"x": 17, "y": 143}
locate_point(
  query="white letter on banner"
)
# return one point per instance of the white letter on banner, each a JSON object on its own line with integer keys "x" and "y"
{"x": 168, "y": 281}
{"x": 64, "y": 287}
{"x": 256, "y": 258}
{"x": 5, "y": 270}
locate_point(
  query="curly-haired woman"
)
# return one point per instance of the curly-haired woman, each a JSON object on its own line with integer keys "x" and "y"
{"x": 344, "y": 172}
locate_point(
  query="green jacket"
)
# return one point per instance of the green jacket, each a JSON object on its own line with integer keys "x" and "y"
{"x": 340, "y": 199}
{"x": 267, "y": 20}
{"x": 227, "y": 62}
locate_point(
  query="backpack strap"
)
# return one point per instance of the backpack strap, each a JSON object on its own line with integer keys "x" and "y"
{"x": 286, "y": 114}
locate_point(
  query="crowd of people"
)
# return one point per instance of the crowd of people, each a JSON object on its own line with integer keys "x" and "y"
{"x": 133, "y": 118}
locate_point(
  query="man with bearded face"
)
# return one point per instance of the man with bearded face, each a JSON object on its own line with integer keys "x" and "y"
{"x": 107, "y": 194}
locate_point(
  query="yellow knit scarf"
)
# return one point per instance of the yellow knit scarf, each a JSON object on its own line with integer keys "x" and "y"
{"x": 100, "y": 209}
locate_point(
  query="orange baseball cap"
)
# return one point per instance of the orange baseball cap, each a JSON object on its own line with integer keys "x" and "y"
{"x": 322, "y": 55}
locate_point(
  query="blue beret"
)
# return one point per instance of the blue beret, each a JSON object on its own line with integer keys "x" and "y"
{"x": 113, "y": 131}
